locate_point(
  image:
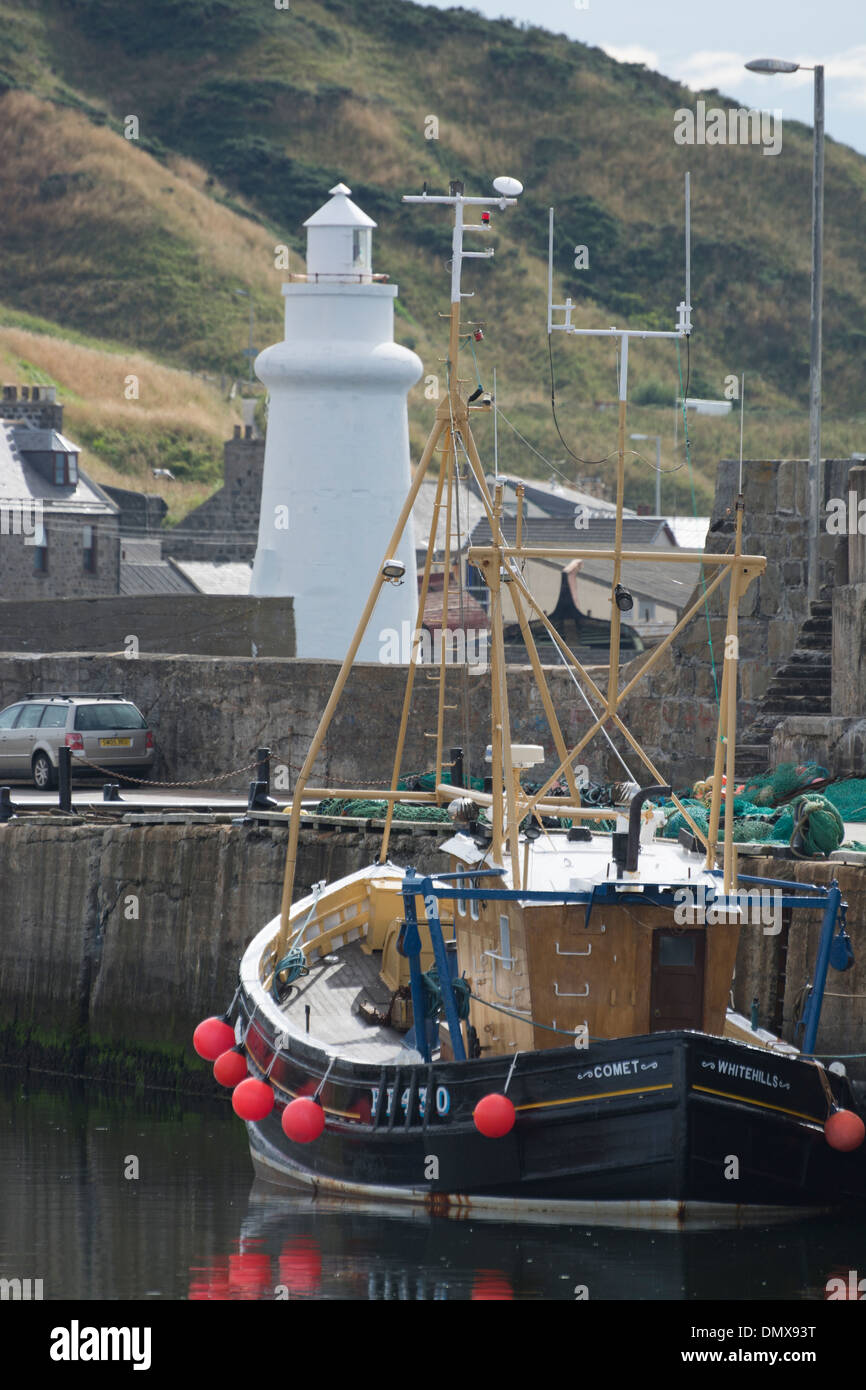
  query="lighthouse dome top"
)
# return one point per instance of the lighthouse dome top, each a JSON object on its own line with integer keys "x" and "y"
{"x": 340, "y": 211}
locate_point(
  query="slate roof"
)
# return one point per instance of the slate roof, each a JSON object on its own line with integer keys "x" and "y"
{"x": 159, "y": 578}
{"x": 471, "y": 512}
{"x": 668, "y": 584}
{"x": 638, "y": 532}
{"x": 215, "y": 577}
{"x": 21, "y": 482}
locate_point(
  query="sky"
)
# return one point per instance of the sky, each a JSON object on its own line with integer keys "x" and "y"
{"x": 704, "y": 43}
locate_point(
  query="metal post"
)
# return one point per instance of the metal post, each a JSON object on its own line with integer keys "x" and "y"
{"x": 815, "y": 490}
{"x": 457, "y": 767}
{"x": 812, "y": 1012}
{"x": 64, "y": 784}
{"x": 658, "y": 475}
{"x": 263, "y": 768}
{"x": 434, "y": 926}
{"x": 7, "y": 810}
{"x": 410, "y": 945}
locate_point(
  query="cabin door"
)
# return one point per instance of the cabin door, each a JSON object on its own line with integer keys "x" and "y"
{"x": 677, "y": 999}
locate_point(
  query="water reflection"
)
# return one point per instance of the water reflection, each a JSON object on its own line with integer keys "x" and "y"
{"x": 193, "y": 1225}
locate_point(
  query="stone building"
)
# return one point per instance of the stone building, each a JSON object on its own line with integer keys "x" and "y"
{"x": 58, "y": 529}
{"x": 225, "y": 527}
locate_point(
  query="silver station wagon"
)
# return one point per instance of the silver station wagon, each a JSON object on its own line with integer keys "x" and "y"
{"x": 104, "y": 729}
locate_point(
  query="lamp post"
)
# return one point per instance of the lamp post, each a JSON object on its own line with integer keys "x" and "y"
{"x": 249, "y": 352}
{"x": 770, "y": 66}
{"x": 658, "y": 440}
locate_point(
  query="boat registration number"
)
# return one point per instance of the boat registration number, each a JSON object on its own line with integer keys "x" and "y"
{"x": 442, "y": 1100}
{"x": 115, "y": 743}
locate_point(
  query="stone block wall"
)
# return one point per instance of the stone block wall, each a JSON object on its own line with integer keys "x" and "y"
{"x": 674, "y": 711}
{"x": 226, "y": 526}
{"x": 65, "y": 576}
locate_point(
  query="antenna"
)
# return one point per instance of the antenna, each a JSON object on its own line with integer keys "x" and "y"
{"x": 507, "y": 192}
{"x": 688, "y": 299}
{"x": 742, "y": 409}
{"x": 684, "y": 308}
{"x": 495, "y": 430}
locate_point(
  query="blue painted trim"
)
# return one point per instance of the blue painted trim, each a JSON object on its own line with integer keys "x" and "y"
{"x": 411, "y": 945}
{"x": 812, "y": 1011}
{"x": 435, "y": 928}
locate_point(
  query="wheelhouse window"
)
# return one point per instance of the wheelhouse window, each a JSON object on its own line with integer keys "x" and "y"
{"x": 89, "y": 549}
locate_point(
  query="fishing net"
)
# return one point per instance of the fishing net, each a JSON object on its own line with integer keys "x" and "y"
{"x": 426, "y": 782}
{"x": 772, "y": 788}
{"x": 849, "y": 798}
{"x": 378, "y": 810}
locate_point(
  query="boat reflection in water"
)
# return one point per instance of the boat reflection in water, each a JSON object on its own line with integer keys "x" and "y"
{"x": 299, "y": 1247}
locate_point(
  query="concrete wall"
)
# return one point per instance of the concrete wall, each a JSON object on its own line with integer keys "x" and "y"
{"x": 210, "y": 714}
{"x": 199, "y": 624}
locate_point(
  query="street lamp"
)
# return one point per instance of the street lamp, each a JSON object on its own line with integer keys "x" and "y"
{"x": 771, "y": 66}
{"x": 249, "y": 352}
{"x": 658, "y": 440}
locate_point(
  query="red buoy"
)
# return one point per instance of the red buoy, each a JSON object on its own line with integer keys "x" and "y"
{"x": 494, "y": 1116}
{"x": 230, "y": 1067}
{"x": 212, "y": 1037}
{"x": 252, "y": 1099}
{"x": 303, "y": 1120}
{"x": 844, "y": 1131}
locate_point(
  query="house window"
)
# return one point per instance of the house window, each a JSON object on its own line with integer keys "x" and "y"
{"x": 89, "y": 548}
{"x": 40, "y": 550}
{"x": 65, "y": 470}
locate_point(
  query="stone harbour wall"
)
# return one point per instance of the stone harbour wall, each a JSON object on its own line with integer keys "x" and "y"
{"x": 129, "y": 935}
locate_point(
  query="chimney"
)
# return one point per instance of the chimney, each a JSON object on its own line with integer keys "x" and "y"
{"x": 237, "y": 433}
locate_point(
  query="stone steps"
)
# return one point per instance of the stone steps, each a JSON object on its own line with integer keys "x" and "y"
{"x": 802, "y": 684}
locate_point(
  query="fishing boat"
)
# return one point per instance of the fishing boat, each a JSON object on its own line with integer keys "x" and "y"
{"x": 540, "y": 1030}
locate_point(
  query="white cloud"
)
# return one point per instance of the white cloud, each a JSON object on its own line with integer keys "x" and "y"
{"x": 631, "y": 53}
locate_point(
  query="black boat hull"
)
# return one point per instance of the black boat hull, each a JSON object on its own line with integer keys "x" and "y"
{"x": 654, "y": 1125}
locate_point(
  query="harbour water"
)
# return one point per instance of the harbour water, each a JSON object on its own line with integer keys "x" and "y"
{"x": 133, "y": 1195}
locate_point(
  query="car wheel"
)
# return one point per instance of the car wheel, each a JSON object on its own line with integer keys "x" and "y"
{"x": 44, "y": 774}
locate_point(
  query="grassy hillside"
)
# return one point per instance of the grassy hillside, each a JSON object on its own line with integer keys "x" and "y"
{"x": 248, "y": 114}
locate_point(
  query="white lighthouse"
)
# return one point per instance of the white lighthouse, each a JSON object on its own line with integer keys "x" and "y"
{"x": 336, "y": 469}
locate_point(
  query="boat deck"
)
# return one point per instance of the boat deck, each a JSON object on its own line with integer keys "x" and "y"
{"x": 335, "y": 986}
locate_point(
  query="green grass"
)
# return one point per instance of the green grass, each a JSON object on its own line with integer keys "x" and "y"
{"x": 116, "y": 245}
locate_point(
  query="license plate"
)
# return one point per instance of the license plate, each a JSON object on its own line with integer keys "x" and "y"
{"x": 115, "y": 743}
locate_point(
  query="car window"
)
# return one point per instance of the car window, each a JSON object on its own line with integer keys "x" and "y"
{"x": 30, "y": 716}
{"x": 54, "y": 717}
{"x": 9, "y": 715}
{"x": 108, "y": 717}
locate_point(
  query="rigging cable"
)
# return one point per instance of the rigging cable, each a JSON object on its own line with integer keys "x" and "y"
{"x": 589, "y": 462}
